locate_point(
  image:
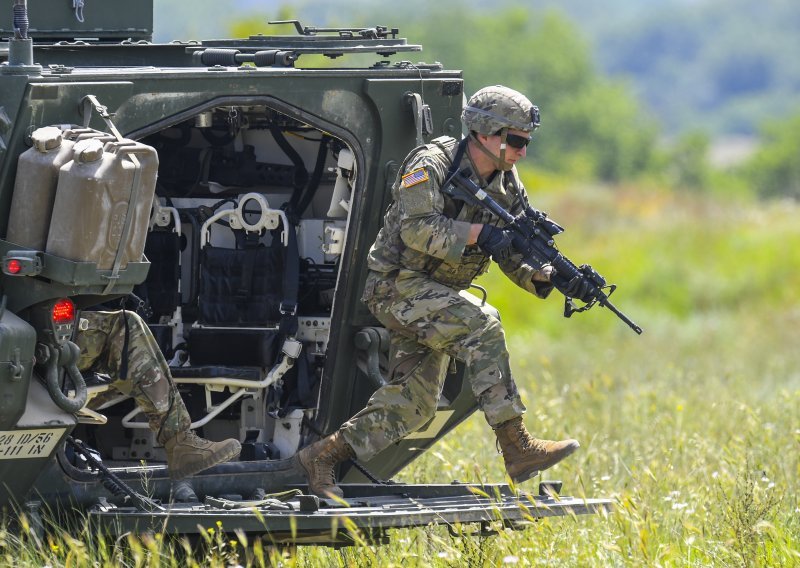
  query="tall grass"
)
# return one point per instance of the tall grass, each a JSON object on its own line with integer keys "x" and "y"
{"x": 692, "y": 428}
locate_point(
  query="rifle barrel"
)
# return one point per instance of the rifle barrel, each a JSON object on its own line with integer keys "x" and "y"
{"x": 606, "y": 303}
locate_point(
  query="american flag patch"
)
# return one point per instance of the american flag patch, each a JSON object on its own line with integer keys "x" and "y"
{"x": 413, "y": 178}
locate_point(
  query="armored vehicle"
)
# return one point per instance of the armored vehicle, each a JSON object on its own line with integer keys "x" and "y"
{"x": 229, "y": 195}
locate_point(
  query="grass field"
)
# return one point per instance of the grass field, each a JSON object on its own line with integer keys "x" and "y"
{"x": 692, "y": 428}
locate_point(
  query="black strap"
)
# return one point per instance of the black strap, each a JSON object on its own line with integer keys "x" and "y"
{"x": 454, "y": 165}
{"x": 249, "y": 242}
{"x": 291, "y": 283}
{"x": 302, "y": 397}
{"x": 303, "y": 386}
{"x": 462, "y": 147}
{"x": 300, "y": 172}
{"x": 300, "y": 205}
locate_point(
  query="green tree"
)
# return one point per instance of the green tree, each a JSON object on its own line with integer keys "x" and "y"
{"x": 599, "y": 132}
{"x": 591, "y": 126}
{"x": 774, "y": 169}
{"x": 540, "y": 54}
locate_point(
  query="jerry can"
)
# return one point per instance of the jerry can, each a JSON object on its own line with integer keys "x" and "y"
{"x": 102, "y": 203}
{"x": 35, "y": 187}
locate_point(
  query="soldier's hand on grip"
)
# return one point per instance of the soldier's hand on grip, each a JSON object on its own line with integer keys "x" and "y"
{"x": 497, "y": 243}
{"x": 579, "y": 288}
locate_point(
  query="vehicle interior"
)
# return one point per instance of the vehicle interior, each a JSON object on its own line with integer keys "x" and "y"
{"x": 246, "y": 233}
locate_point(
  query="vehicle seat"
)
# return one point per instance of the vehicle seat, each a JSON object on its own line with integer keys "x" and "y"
{"x": 234, "y": 345}
{"x": 240, "y": 290}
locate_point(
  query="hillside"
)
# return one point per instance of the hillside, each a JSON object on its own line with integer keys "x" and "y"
{"x": 722, "y": 66}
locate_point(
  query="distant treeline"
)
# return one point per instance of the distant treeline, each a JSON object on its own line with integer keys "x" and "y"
{"x": 596, "y": 126}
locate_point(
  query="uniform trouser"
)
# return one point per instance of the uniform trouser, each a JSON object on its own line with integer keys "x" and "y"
{"x": 148, "y": 378}
{"x": 428, "y": 324}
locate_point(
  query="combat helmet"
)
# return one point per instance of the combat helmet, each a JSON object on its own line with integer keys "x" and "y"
{"x": 494, "y": 110}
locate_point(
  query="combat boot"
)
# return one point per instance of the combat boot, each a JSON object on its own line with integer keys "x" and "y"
{"x": 188, "y": 454}
{"x": 525, "y": 455}
{"x": 319, "y": 459}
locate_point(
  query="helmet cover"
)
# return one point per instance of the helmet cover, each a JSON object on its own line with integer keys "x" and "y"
{"x": 491, "y": 109}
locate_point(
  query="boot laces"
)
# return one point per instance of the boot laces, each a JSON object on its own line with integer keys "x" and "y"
{"x": 195, "y": 441}
{"x": 327, "y": 460}
{"x": 526, "y": 441}
{"x": 325, "y": 469}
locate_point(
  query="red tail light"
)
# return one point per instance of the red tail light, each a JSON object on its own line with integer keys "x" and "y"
{"x": 13, "y": 266}
{"x": 63, "y": 311}
{"x": 22, "y": 263}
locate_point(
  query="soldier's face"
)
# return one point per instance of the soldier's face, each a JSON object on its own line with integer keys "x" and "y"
{"x": 513, "y": 154}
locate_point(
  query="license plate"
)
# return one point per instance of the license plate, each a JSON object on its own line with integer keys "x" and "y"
{"x": 29, "y": 444}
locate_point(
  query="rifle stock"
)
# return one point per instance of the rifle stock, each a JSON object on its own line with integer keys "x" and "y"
{"x": 537, "y": 246}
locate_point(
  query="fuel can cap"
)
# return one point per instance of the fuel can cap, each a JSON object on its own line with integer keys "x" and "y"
{"x": 87, "y": 151}
{"x": 46, "y": 138}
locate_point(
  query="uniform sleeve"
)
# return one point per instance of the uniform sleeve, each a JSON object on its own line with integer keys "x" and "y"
{"x": 423, "y": 227}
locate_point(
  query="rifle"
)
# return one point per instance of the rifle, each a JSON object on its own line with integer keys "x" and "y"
{"x": 535, "y": 232}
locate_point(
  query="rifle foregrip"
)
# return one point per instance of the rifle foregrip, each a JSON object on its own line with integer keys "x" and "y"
{"x": 565, "y": 269}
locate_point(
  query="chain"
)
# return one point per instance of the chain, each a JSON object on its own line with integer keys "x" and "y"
{"x": 358, "y": 465}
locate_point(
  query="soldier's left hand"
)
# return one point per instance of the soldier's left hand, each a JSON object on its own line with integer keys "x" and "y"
{"x": 543, "y": 274}
{"x": 579, "y": 288}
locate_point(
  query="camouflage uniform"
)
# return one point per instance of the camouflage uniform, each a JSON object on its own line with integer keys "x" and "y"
{"x": 420, "y": 266}
{"x": 148, "y": 379}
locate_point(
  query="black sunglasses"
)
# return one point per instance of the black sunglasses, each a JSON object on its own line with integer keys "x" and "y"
{"x": 517, "y": 141}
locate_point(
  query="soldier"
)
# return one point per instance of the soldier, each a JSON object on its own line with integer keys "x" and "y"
{"x": 125, "y": 349}
{"x": 428, "y": 252}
